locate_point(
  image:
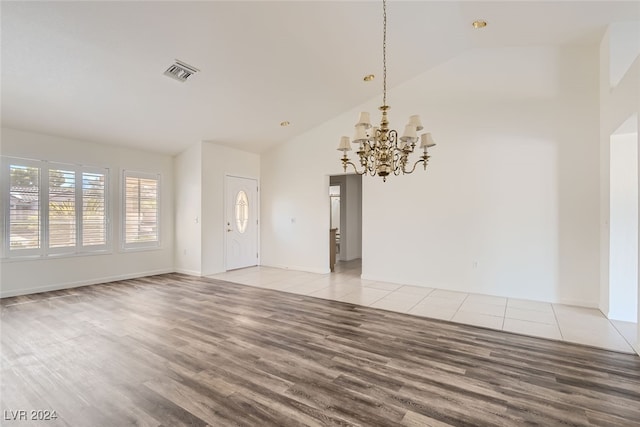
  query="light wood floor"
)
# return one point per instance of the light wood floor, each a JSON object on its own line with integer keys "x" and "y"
{"x": 176, "y": 350}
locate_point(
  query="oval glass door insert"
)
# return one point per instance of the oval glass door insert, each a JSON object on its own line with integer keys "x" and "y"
{"x": 242, "y": 211}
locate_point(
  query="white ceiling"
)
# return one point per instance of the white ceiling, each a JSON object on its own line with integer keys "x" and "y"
{"x": 94, "y": 70}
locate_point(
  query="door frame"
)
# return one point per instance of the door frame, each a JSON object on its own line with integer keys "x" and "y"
{"x": 225, "y": 211}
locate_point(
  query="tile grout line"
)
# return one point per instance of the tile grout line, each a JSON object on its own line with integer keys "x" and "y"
{"x": 504, "y": 314}
{"x": 458, "y": 309}
{"x": 388, "y": 293}
{"x": 555, "y": 316}
{"x": 620, "y": 332}
{"x": 419, "y": 301}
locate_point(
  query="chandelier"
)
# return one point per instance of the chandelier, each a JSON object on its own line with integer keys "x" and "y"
{"x": 380, "y": 150}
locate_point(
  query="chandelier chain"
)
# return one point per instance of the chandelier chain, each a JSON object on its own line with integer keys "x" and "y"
{"x": 384, "y": 52}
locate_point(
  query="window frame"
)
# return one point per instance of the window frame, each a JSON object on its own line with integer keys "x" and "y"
{"x": 44, "y": 250}
{"x": 45, "y": 210}
{"x": 107, "y": 211}
{"x": 7, "y": 252}
{"x": 147, "y": 245}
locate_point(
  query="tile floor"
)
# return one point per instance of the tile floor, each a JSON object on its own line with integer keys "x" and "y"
{"x": 554, "y": 321}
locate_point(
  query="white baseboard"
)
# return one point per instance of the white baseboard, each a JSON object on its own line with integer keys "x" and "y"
{"x": 70, "y": 285}
{"x": 636, "y": 347}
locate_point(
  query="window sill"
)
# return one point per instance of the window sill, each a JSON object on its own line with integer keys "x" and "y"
{"x": 141, "y": 249}
{"x": 16, "y": 258}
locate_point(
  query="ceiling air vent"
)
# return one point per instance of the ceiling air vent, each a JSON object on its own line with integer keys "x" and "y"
{"x": 180, "y": 71}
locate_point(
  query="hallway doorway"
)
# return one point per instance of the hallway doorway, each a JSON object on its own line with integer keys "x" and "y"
{"x": 345, "y": 230}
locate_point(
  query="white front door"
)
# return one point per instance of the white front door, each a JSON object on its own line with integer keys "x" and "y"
{"x": 241, "y": 223}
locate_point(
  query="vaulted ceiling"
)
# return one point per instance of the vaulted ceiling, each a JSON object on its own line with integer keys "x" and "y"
{"x": 94, "y": 70}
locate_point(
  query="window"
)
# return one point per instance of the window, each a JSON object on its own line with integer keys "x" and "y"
{"x": 24, "y": 207}
{"x": 94, "y": 212}
{"x": 242, "y": 211}
{"x": 62, "y": 208}
{"x": 54, "y": 208}
{"x": 141, "y": 210}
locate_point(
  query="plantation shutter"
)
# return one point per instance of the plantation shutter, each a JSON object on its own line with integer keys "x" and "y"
{"x": 141, "y": 209}
{"x": 94, "y": 214}
{"x": 24, "y": 207}
{"x": 62, "y": 208}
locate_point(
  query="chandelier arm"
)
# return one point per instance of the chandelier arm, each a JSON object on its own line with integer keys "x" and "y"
{"x": 392, "y": 142}
{"x": 397, "y": 163}
{"x": 393, "y": 139}
{"x": 355, "y": 169}
{"x": 405, "y": 172}
{"x": 398, "y": 158}
{"x": 371, "y": 162}
{"x": 423, "y": 159}
{"x": 365, "y": 155}
{"x": 372, "y": 167}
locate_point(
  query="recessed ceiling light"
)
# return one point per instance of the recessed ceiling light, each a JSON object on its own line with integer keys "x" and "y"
{"x": 369, "y": 77}
{"x": 285, "y": 123}
{"x": 479, "y": 24}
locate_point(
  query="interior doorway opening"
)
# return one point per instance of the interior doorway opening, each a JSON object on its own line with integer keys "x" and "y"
{"x": 345, "y": 224}
{"x": 623, "y": 224}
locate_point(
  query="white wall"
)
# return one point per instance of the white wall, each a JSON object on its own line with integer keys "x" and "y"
{"x": 200, "y": 215}
{"x": 217, "y": 162}
{"x": 188, "y": 210}
{"x": 624, "y": 47}
{"x": 29, "y": 276}
{"x": 510, "y": 185}
{"x": 617, "y": 104}
{"x": 294, "y": 200}
{"x": 623, "y": 276}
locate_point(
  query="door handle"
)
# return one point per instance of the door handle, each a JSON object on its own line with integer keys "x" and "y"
{"x": 229, "y": 230}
